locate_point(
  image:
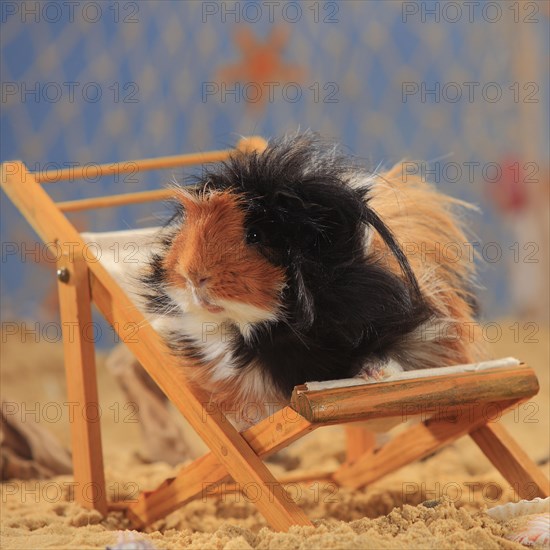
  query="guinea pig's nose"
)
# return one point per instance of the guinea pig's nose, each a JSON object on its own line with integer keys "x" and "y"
{"x": 202, "y": 281}
{"x": 198, "y": 279}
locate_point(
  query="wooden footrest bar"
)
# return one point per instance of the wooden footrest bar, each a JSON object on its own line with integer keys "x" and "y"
{"x": 414, "y": 397}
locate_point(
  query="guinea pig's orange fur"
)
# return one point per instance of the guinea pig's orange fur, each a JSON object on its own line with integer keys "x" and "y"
{"x": 212, "y": 244}
{"x": 425, "y": 223}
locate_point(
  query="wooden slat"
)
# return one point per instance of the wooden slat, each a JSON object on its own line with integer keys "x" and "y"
{"x": 130, "y": 166}
{"x": 226, "y": 443}
{"x": 202, "y": 475}
{"x": 511, "y": 461}
{"x": 407, "y": 398}
{"x": 80, "y": 370}
{"x": 140, "y": 165}
{"x": 115, "y": 200}
{"x": 417, "y": 442}
{"x": 291, "y": 478}
{"x": 277, "y": 431}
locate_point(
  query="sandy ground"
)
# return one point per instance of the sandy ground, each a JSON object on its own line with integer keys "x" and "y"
{"x": 435, "y": 503}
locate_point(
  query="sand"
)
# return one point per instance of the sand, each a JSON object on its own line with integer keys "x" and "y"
{"x": 435, "y": 503}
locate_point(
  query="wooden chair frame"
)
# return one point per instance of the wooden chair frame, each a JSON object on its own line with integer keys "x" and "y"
{"x": 464, "y": 398}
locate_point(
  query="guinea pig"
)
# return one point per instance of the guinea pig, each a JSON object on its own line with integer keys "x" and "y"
{"x": 295, "y": 264}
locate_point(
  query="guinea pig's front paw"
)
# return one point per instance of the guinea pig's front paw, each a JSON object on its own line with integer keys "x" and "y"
{"x": 372, "y": 373}
{"x": 378, "y": 371}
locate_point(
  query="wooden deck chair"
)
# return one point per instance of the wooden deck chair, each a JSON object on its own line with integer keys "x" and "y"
{"x": 452, "y": 402}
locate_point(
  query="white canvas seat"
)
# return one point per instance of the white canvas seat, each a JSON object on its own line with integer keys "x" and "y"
{"x": 123, "y": 253}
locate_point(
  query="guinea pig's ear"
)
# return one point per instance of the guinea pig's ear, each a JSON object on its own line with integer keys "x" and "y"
{"x": 336, "y": 218}
{"x": 288, "y": 201}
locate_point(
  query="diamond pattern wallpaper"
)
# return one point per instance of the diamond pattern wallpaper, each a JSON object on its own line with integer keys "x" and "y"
{"x": 460, "y": 90}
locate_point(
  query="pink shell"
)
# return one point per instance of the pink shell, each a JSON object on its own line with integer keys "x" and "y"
{"x": 531, "y": 530}
{"x": 528, "y": 521}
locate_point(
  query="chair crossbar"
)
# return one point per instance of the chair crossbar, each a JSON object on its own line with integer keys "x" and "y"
{"x": 131, "y": 166}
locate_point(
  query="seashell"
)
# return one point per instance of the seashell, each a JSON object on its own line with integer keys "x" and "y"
{"x": 128, "y": 540}
{"x": 531, "y": 530}
{"x": 528, "y": 521}
{"x": 511, "y": 510}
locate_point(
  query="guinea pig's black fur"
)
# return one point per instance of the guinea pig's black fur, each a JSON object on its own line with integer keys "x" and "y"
{"x": 342, "y": 306}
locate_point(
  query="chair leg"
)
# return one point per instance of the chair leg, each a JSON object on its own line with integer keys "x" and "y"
{"x": 359, "y": 441}
{"x": 80, "y": 371}
{"x": 511, "y": 461}
{"x": 415, "y": 443}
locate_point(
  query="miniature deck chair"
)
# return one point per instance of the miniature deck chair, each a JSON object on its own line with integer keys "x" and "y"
{"x": 452, "y": 402}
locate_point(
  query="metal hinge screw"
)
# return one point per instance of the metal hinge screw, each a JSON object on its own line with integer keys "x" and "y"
{"x": 63, "y": 275}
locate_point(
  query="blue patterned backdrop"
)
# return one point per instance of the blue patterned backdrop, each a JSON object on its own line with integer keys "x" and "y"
{"x": 109, "y": 81}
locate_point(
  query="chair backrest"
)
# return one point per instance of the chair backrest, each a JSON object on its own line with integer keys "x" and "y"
{"x": 244, "y": 145}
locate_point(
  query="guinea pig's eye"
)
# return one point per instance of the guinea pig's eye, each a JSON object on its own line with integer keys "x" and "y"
{"x": 254, "y": 235}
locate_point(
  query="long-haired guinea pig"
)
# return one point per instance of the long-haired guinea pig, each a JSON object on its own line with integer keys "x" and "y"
{"x": 295, "y": 264}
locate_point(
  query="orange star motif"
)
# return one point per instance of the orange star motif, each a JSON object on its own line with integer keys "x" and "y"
{"x": 262, "y": 66}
